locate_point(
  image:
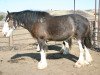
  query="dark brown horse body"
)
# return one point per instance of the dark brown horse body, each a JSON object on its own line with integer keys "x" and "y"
{"x": 43, "y": 27}
{"x": 55, "y": 27}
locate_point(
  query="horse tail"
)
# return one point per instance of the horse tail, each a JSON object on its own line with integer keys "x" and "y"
{"x": 88, "y": 40}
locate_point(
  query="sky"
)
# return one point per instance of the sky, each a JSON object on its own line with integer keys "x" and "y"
{"x": 19, "y": 5}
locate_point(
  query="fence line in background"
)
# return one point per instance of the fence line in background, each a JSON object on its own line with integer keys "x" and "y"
{"x": 21, "y": 37}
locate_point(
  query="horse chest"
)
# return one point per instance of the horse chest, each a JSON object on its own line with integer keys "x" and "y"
{"x": 39, "y": 31}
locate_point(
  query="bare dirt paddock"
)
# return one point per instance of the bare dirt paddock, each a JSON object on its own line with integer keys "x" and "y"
{"x": 22, "y": 59}
{"x": 24, "y": 62}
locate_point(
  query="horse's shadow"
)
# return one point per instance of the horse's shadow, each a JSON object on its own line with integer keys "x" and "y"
{"x": 54, "y": 47}
{"x": 49, "y": 55}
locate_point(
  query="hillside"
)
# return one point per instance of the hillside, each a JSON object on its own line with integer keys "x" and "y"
{"x": 89, "y": 15}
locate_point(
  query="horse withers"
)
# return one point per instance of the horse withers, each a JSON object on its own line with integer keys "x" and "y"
{"x": 42, "y": 26}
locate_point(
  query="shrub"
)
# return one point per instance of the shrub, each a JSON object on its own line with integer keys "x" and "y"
{"x": 1, "y": 17}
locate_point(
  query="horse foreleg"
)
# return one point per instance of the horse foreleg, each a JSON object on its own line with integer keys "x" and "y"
{"x": 38, "y": 48}
{"x": 43, "y": 62}
{"x": 65, "y": 48}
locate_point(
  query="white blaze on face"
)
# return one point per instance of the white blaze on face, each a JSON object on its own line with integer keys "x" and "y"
{"x": 6, "y": 30}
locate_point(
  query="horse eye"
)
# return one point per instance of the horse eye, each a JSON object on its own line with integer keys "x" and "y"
{"x": 7, "y": 20}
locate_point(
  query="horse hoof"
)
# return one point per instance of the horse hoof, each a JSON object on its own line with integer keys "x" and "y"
{"x": 79, "y": 64}
{"x": 38, "y": 50}
{"x": 86, "y": 63}
{"x": 89, "y": 60}
{"x": 42, "y": 65}
{"x": 61, "y": 51}
{"x": 64, "y": 52}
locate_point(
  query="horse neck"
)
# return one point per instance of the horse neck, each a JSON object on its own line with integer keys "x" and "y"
{"x": 27, "y": 20}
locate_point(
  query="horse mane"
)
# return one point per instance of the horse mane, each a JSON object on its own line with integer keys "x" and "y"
{"x": 28, "y": 17}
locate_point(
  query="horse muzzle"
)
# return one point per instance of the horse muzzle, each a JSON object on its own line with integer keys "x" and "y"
{"x": 8, "y": 34}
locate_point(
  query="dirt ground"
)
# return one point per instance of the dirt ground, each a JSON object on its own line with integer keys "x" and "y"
{"x": 24, "y": 62}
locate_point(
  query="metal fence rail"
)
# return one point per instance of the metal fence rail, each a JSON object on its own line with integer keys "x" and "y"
{"x": 20, "y": 38}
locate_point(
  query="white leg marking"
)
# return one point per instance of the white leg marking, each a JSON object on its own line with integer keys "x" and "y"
{"x": 38, "y": 48}
{"x": 80, "y": 61}
{"x": 66, "y": 44}
{"x": 43, "y": 62}
{"x": 65, "y": 48}
{"x": 62, "y": 49}
{"x": 88, "y": 57}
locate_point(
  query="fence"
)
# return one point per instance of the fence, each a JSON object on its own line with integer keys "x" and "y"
{"x": 4, "y": 42}
{"x": 20, "y": 38}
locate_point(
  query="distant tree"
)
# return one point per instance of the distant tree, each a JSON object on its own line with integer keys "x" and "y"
{"x": 1, "y": 17}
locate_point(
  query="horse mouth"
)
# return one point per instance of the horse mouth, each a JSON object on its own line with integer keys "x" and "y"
{"x": 5, "y": 35}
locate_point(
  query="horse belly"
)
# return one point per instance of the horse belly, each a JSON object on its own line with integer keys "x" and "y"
{"x": 60, "y": 37}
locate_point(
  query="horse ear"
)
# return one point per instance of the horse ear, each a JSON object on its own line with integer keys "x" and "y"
{"x": 8, "y": 12}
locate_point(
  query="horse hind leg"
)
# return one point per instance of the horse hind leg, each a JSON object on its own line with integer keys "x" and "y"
{"x": 88, "y": 57}
{"x": 84, "y": 57}
{"x": 81, "y": 60}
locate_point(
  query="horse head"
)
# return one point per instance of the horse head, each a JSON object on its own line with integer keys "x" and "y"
{"x": 9, "y": 25}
